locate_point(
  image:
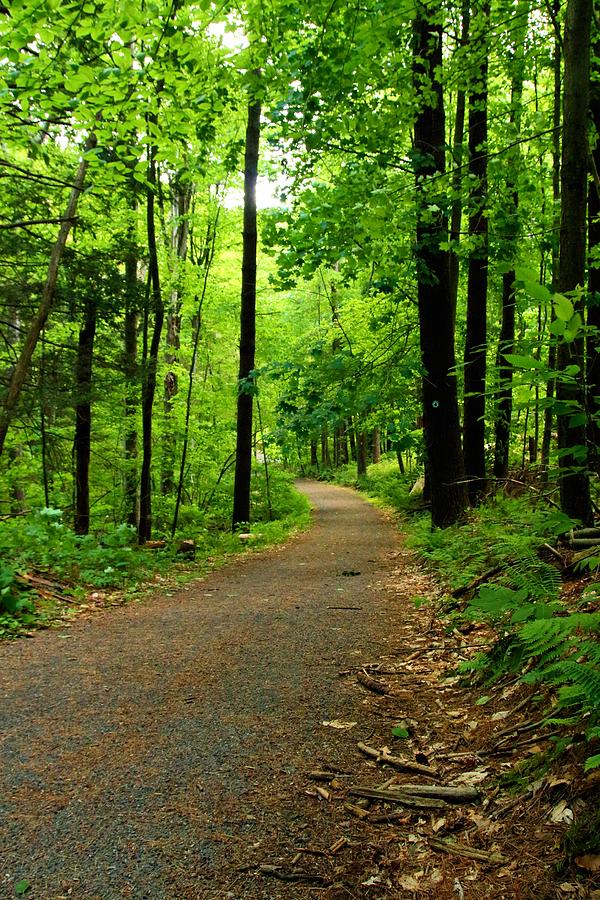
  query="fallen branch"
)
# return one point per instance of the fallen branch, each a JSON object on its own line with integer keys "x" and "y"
{"x": 466, "y": 852}
{"x": 371, "y": 683}
{"x": 356, "y": 811}
{"x": 396, "y": 761}
{"x": 408, "y": 800}
{"x": 463, "y": 793}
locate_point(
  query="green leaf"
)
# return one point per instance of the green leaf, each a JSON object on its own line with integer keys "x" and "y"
{"x": 563, "y": 307}
{"x": 522, "y": 273}
{"x": 400, "y": 732}
{"x": 592, "y": 762}
{"x": 482, "y": 701}
{"x": 22, "y": 887}
{"x": 538, "y": 291}
{"x": 523, "y": 362}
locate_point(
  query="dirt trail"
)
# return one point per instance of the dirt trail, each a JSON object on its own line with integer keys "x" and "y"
{"x": 157, "y": 750}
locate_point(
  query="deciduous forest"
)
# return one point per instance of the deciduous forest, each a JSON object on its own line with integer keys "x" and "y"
{"x": 241, "y": 242}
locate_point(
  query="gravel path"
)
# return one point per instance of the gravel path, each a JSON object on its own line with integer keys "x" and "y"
{"x": 157, "y": 750}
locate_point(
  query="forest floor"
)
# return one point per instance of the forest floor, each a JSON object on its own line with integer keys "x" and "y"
{"x": 205, "y": 745}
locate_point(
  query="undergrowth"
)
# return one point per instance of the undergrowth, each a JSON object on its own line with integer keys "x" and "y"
{"x": 539, "y": 637}
{"x": 41, "y": 555}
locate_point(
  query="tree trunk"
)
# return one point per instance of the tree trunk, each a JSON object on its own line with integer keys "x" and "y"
{"x": 457, "y": 175}
{"x": 130, "y": 370}
{"x": 593, "y": 316}
{"x": 556, "y": 123}
{"x": 376, "y": 445}
{"x": 83, "y": 418}
{"x": 352, "y": 439}
{"x": 21, "y": 368}
{"x": 436, "y": 318}
{"x": 361, "y": 454}
{"x": 314, "y": 460}
{"x": 149, "y": 385}
{"x": 574, "y": 480}
{"x": 476, "y": 338}
{"x": 181, "y": 207}
{"x": 325, "y": 456}
{"x": 506, "y": 342}
{"x": 243, "y": 456}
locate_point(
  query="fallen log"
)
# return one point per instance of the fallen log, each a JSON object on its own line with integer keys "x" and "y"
{"x": 463, "y": 793}
{"x": 389, "y": 796}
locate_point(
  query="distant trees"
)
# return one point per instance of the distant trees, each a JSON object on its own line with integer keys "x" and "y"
{"x": 423, "y": 210}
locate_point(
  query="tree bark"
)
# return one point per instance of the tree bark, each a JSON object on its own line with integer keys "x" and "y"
{"x": 574, "y": 480}
{"x": 593, "y": 314}
{"x": 243, "y": 455}
{"x": 181, "y": 208}
{"x": 556, "y": 123}
{"x": 130, "y": 370}
{"x": 21, "y": 368}
{"x": 457, "y": 175}
{"x": 436, "y": 318}
{"x": 506, "y": 342}
{"x": 83, "y": 418}
{"x": 476, "y": 337}
{"x": 149, "y": 385}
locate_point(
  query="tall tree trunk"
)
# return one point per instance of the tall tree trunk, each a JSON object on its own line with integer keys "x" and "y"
{"x": 325, "y": 455}
{"x": 314, "y": 460}
{"x": 149, "y": 385}
{"x": 361, "y": 453}
{"x": 593, "y": 316}
{"x": 457, "y": 175}
{"x": 181, "y": 206}
{"x": 21, "y": 368}
{"x": 351, "y": 439}
{"x": 476, "y": 337}
{"x": 376, "y": 445}
{"x": 243, "y": 453}
{"x": 556, "y": 123}
{"x": 206, "y": 261}
{"x": 130, "y": 370}
{"x": 574, "y": 480}
{"x": 506, "y": 342}
{"x": 436, "y": 318}
{"x": 83, "y": 418}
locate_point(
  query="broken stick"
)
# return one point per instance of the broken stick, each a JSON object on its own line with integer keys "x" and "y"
{"x": 396, "y": 761}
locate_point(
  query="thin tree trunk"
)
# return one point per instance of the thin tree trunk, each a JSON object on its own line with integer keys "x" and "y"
{"x": 149, "y": 385}
{"x": 206, "y": 260}
{"x": 593, "y": 315}
{"x": 574, "y": 479}
{"x": 352, "y": 439}
{"x": 506, "y": 340}
{"x": 171, "y": 383}
{"x": 130, "y": 370}
{"x": 83, "y": 418}
{"x": 21, "y": 368}
{"x": 243, "y": 455}
{"x": 556, "y": 123}
{"x": 376, "y": 445}
{"x": 457, "y": 175}
{"x": 361, "y": 454}
{"x": 436, "y": 318}
{"x": 476, "y": 338}
{"x": 325, "y": 456}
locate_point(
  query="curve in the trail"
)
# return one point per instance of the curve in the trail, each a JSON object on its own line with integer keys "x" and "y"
{"x": 151, "y": 751}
